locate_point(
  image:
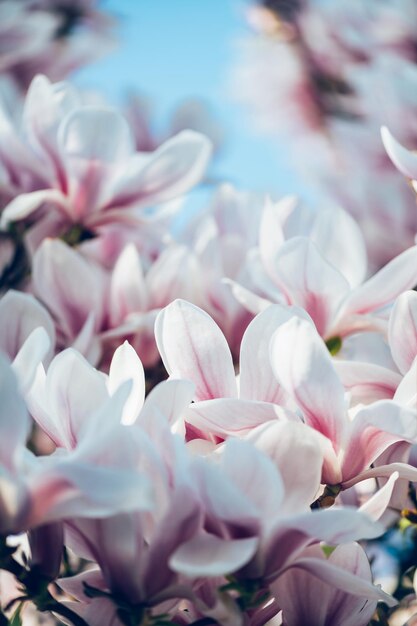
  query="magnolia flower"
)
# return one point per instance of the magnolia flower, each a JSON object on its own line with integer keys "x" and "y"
{"x": 304, "y": 368}
{"x": 193, "y": 347}
{"x": 88, "y": 482}
{"x": 83, "y": 168}
{"x": 318, "y": 262}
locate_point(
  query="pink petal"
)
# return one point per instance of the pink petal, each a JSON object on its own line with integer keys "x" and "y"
{"x": 383, "y": 288}
{"x": 208, "y": 555}
{"x": 373, "y": 430}
{"x": 304, "y": 368}
{"x": 403, "y": 159}
{"x": 126, "y": 365}
{"x": 309, "y": 281}
{"x": 257, "y": 380}
{"x": 192, "y": 346}
{"x": 167, "y": 173}
{"x": 402, "y": 332}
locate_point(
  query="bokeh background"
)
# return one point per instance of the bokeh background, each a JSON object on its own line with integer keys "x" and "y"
{"x": 170, "y": 50}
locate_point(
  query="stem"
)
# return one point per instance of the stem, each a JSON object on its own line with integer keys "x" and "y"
{"x": 327, "y": 498}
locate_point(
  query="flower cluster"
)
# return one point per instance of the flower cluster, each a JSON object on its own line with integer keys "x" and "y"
{"x": 200, "y": 418}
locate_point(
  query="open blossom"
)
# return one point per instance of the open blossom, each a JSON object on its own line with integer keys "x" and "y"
{"x": 317, "y": 261}
{"x": 82, "y": 170}
{"x": 304, "y": 368}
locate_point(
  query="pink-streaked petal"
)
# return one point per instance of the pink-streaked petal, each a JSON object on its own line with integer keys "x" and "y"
{"x": 303, "y": 366}
{"x": 229, "y": 416}
{"x": 343, "y": 579}
{"x": 271, "y": 235}
{"x": 376, "y": 506}
{"x": 309, "y": 281}
{"x": 93, "y": 141}
{"x": 27, "y": 203}
{"x": 367, "y": 382}
{"x": 81, "y": 490}
{"x": 14, "y": 419}
{"x": 192, "y": 346}
{"x": 286, "y": 443}
{"x": 294, "y": 533}
{"x": 71, "y": 287}
{"x": 406, "y": 393}
{"x": 171, "y": 398}
{"x": 63, "y": 401}
{"x": 257, "y": 380}
{"x": 20, "y": 314}
{"x": 29, "y": 356}
{"x": 405, "y": 471}
{"x": 126, "y": 365}
{"x": 373, "y": 430}
{"x": 247, "y": 298}
{"x": 167, "y": 173}
{"x": 128, "y": 292}
{"x": 321, "y": 601}
{"x": 402, "y": 331}
{"x": 208, "y": 555}
{"x": 383, "y": 288}
{"x": 340, "y": 240}
{"x": 256, "y": 475}
{"x": 175, "y": 274}
{"x": 403, "y": 159}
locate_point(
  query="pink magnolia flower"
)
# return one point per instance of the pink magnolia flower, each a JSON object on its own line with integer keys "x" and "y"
{"x": 51, "y": 37}
{"x": 83, "y": 170}
{"x": 93, "y": 480}
{"x": 95, "y": 309}
{"x": 304, "y": 368}
{"x": 193, "y": 347}
{"x": 318, "y": 262}
{"x": 322, "y": 603}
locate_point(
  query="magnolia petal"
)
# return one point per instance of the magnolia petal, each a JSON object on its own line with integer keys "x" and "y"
{"x": 126, "y": 365}
{"x": 383, "y": 288}
{"x": 402, "y": 332}
{"x": 208, "y": 555}
{"x": 257, "y": 380}
{"x": 229, "y": 416}
{"x": 26, "y": 203}
{"x": 403, "y": 159}
{"x": 376, "y": 506}
{"x": 303, "y": 366}
{"x": 373, "y": 430}
{"x": 192, "y": 346}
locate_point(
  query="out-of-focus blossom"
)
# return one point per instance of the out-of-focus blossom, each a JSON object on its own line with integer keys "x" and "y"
{"x": 322, "y": 604}
{"x": 77, "y": 166}
{"x": 326, "y": 76}
{"x": 54, "y": 37}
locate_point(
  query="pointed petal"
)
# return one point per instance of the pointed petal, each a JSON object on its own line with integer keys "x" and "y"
{"x": 402, "y": 331}
{"x": 208, "y": 555}
{"x": 126, "y": 365}
{"x": 304, "y": 368}
{"x": 373, "y": 430}
{"x": 403, "y": 159}
{"x": 257, "y": 380}
{"x": 192, "y": 346}
{"x": 383, "y": 288}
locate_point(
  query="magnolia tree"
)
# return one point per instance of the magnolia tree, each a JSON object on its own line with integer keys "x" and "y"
{"x": 212, "y": 424}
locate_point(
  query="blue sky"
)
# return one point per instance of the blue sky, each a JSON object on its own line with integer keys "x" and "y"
{"x": 174, "y": 49}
